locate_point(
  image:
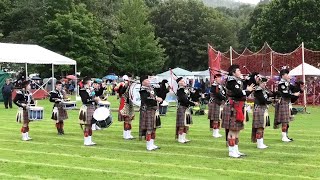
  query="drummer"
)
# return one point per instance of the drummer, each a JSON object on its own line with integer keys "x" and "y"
{"x": 89, "y": 101}
{"x": 23, "y": 100}
{"x": 126, "y": 109}
{"x": 59, "y": 114}
{"x": 98, "y": 90}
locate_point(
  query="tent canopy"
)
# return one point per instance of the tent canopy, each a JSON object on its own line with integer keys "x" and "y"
{"x": 202, "y": 73}
{"x": 308, "y": 70}
{"x": 178, "y": 71}
{"x": 31, "y": 54}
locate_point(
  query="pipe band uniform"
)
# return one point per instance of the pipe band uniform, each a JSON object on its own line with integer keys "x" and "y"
{"x": 184, "y": 117}
{"x": 216, "y": 103}
{"x": 87, "y": 109}
{"x": 24, "y": 100}
{"x": 149, "y": 116}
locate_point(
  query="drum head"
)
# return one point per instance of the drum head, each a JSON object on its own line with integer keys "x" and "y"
{"x": 134, "y": 94}
{"x": 102, "y": 113}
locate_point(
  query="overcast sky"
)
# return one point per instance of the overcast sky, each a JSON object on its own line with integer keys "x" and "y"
{"x": 250, "y": 1}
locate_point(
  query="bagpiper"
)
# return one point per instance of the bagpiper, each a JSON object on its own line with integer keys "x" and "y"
{"x": 184, "y": 117}
{"x": 217, "y": 99}
{"x": 283, "y": 105}
{"x": 234, "y": 112}
{"x": 149, "y": 118}
{"x": 59, "y": 114}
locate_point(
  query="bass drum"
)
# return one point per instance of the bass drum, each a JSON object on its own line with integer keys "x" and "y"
{"x": 134, "y": 94}
{"x": 103, "y": 117}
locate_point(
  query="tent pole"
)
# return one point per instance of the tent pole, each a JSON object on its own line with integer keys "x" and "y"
{"x": 76, "y": 81}
{"x": 52, "y": 75}
{"x": 230, "y": 55}
{"x": 304, "y": 81}
{"x": 26, "y": 68}
{"x": 271, "y": 72}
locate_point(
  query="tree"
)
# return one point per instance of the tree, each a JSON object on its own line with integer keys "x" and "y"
{"x": 137, "y": 51}
{"x": 185, "y": 28}
{"x": 77, "y": 35}
{"x": 284, "y": 24}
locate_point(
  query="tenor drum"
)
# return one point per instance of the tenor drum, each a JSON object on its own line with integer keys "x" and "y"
{"x": 103, "y": 117}
{"x": 105, "y": 104}
{"x": 68, "y": 105}
{"x": 35, "y": 113}
{"x": 134, "y": 94}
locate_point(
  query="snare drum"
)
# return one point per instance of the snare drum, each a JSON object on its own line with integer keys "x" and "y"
{"x": 103, "y": 117}
{"x": 68, "y": 105}
{"x": 105, "y": 104}
{"x": 35, "y": 113}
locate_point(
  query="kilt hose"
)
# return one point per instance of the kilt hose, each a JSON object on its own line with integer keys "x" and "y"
{"x": 147, "y": 121}
{"x": 282, "y": 114}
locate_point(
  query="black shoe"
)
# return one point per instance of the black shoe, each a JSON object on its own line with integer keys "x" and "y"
{"x": 62, "y": 132}
{"x": 291, "y": 139}
{"x": 6, "y": 107}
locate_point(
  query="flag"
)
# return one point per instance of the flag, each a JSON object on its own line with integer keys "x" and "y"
{"x": 214, "y": 59}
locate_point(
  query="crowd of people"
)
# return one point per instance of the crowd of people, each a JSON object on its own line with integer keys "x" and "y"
{"x": 226, "y": 107}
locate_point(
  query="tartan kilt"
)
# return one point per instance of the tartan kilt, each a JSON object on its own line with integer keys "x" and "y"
{"x": 181, "y": 116}
{"x": 61, "y": 115}
{"x": 259, "y": 120}
{"x": 86, "y": 114}
{"x": 25, "y": 116}
{"x": 229, "y": 120}
{"x": 214, "y": 112}
{"x": 282, "y": 112}
{"x": 147, "y": 121}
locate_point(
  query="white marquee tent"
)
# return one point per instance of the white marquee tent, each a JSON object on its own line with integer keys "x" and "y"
{"x": 308, "y": 69}
{"x": 32, "y": 54}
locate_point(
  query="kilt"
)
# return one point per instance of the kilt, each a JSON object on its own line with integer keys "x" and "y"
{"x": 282, "y": 112}
{"x": 260, "y": 115}
{"x": 182, "y": 114}
{"x": 214, "y": 112}
{"x": 126, "y": 111}
{"x": 229, "y": 119}
{"x": 58, "y": 113}
{"x": 86, "y": 114}
{"x": 147, "y": 121}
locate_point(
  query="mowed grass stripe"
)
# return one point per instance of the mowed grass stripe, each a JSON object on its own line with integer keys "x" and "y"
{"x": 125, "y": 143}
{"x": 21, "y": 176}
{"x": 152, "y": 164}
{"x": 220, "y": 156}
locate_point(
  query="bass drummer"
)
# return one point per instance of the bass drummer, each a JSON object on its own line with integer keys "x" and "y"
{"x": 126, "y": 109}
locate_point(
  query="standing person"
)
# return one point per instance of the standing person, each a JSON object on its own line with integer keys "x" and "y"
{"x": 184, "y": 118}
{"x": 58, "y": 113}
{"x": 89, "y": 101}
{"x": 23, "y": 100}
{"x": 7, "y": 90}
{"x": 126, "y": 109}
{"x": 218, "y": 97}
{"x": 148, "y": 108}
{"x": 234, "y": 112}
{"x": 260, "y": 113}
{"x": 283, "y": 106}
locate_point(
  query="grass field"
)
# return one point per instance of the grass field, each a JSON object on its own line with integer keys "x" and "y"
{"x": 49, "y": 156}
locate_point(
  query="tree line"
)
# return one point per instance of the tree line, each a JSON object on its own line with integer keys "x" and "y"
{"x": 149, "y": 36}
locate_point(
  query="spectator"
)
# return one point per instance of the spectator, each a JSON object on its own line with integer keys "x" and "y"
{"x": 7, "y": 93}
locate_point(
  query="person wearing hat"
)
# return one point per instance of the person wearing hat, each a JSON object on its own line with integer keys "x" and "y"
{"x": 234, "y": 113}
{"x": 58, "y": 113}
{"x": 89, "y": 101}
{"x": 126, "y": 109}
{"x": 282, "y": 108}
{"x": 23, "y": 100}
{"x": 260, "y": 114}
{"x": 148, "y": 108}
{"x": 183, "y": 118}
{"x": 217, "y": 99}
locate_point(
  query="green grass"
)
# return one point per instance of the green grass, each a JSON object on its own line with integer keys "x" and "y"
{"x": 49, "y": 156}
